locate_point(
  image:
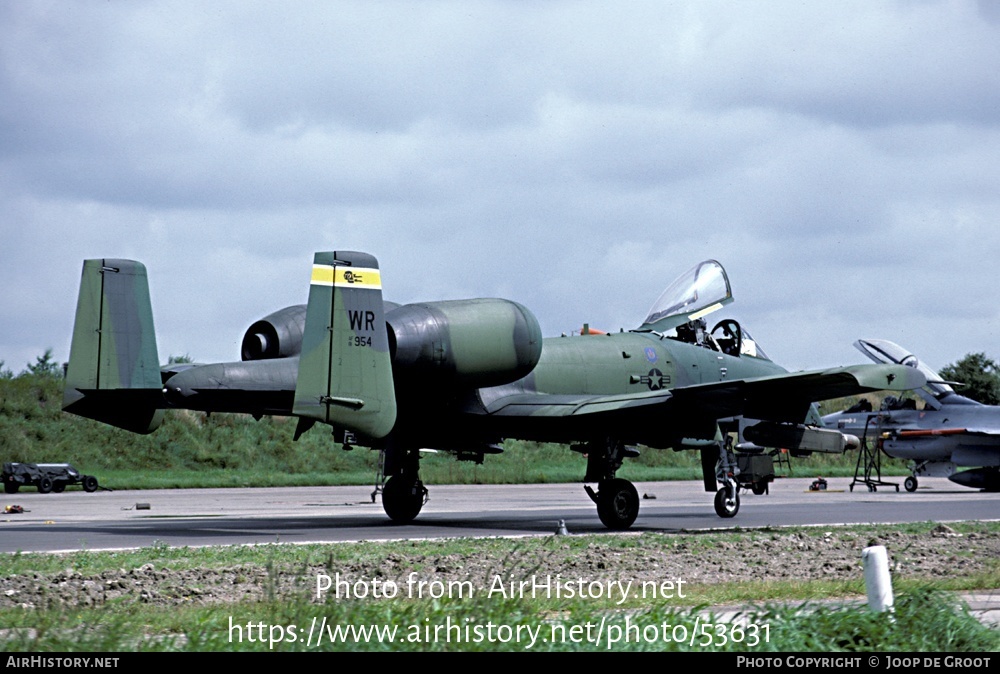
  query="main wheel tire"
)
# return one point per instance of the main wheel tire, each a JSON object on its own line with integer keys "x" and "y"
{"x": 11, "y": 487}
{"x": 617, "y": 503}
{"x": 402, "y": 498}
{"x": 759, "y": 488}
{"x": 910, "y": 484}
{"x": 58, "y": 487}
{"x": 89, "y": 483}
{"x": 45, "y": 485}
{"x": 722, "y": 506}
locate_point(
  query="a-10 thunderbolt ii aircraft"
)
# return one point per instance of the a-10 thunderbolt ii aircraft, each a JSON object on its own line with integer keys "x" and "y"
{"x": 952, "y": 436}
{"x": 463, "y": 375}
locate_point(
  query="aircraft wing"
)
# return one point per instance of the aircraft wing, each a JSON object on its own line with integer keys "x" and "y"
{"x": 787, "y": 397}
{"x": 549, "y": 405}
{"x": 782, "y": 397}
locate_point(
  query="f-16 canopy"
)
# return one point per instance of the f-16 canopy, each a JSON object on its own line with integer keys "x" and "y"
{"x": 884, "y": 351}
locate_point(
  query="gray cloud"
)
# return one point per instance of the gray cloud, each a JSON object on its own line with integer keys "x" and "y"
{"x": 839, "y": 160}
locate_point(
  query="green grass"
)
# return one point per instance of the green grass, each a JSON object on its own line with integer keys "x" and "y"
{"x": 504, "y": 550}
{"x": 779, "y": 616}
{"x": 924, "y": 621}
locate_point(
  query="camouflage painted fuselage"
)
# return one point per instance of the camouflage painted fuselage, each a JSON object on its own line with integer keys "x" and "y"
{"x": 575, "y": 377}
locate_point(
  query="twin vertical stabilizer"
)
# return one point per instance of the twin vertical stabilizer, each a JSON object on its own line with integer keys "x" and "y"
{"x": 345, "y": 368}
{"x": 344, "y": 375}
{"x": 114, "y": 373}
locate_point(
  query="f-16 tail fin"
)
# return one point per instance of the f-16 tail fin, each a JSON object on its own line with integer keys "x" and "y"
{"x": 114, "y": 373}
{"x": 345, "y": 369}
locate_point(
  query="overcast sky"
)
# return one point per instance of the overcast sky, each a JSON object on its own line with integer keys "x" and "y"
{"x": 841, "y": 160}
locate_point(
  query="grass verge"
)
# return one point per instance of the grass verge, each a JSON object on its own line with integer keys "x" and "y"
{"x": 288, "y": 613}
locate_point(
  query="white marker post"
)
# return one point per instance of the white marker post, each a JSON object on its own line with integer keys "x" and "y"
{"x": 878, "y": 583}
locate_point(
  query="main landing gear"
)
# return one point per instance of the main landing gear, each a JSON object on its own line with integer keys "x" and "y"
{"x": 616, "y": 498}
{"x": 617, "y": 502}
{"x": 403, "y": 494}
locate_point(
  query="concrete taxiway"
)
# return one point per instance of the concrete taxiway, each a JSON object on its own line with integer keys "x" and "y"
{"x": 76, "y": 520}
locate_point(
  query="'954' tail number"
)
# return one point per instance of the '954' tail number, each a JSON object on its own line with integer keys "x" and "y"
{"x": 361, "y": 321}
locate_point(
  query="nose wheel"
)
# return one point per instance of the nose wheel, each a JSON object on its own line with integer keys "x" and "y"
{"x": 727, "y": 502}
{"x": 727, "y": 499}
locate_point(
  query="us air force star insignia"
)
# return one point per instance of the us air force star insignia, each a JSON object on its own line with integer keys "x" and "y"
{"x": 654, "y": 380}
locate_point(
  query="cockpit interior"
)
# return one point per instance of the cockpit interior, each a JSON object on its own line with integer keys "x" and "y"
{"x": 680, "y": 310}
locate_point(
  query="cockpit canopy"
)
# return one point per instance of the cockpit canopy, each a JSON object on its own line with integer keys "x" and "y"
{"x": 680, "y": 310}
{"x": 884, "y": 351}
{"x": 698, "y": 292}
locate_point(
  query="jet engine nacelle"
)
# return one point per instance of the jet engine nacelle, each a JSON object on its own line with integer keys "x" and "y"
{"x": 277, "y": 335}
{"x": 476, "y": 343}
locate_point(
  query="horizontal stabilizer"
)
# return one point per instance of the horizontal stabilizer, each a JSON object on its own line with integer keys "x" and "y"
{"x": 130, "y": 409}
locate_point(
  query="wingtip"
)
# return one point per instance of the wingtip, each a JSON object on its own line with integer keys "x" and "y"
{"x": 888, "y": 377}
{"x": 903, "y": 378}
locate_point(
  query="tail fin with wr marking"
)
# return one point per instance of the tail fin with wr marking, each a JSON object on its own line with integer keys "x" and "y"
{"x": 345, "y": 369}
